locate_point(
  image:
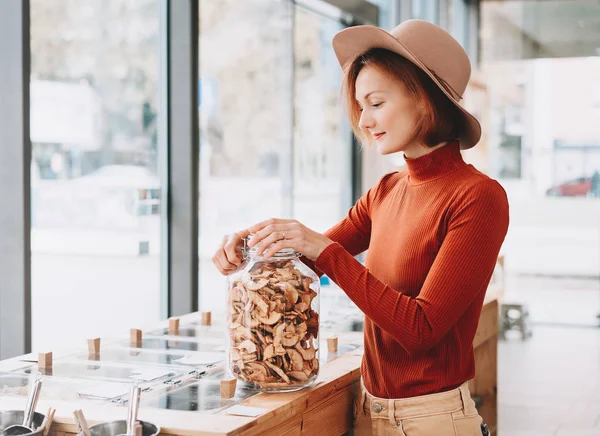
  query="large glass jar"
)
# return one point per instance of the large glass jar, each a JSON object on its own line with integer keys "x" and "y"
{"x": 273, "y": 323}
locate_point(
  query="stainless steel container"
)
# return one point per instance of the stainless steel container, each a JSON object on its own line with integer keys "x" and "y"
{"x": 114, "y": 428}
{"x": 15, "y": 417}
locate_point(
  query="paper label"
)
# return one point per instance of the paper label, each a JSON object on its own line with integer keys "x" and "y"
{"x": 245, "y": 411}
{"x": 201, "y": 359}
{"x": 149, "y": 374}
{"x": 105, "y": 391}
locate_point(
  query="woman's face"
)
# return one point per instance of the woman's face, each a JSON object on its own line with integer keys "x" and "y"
{"x": 388, "y": 112}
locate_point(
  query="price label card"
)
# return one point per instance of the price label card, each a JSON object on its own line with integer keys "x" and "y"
{"x": 245, "y": 411}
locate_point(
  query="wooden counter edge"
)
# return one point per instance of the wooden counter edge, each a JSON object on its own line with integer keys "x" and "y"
{"x": 282, "y": 409}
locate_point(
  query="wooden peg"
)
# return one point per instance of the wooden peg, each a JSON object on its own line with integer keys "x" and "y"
{"x": 45, "y": 360}
{"x": 332, "y": 344}
{"x": 228, "y": 387}
{"x": 136, "y": 337}
{"x": 94, "y": 346}
{"x": 47, "y": 423}
{"x": 206, "y": 318}
{"x": 82, "y": 425}
{"x": 174, "y": 325}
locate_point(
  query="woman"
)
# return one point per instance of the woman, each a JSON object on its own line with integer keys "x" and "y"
{"x": 433, "y": 232}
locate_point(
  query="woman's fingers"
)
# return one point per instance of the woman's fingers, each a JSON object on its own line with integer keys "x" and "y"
{"x": 272, "y": 238}
{"x": 262, "y": 230}
{"x": 222, "y": 264}
{"x": 266, "y": 232}
{"x": 233, "y": 249}
{"x": 220, "y": 259}
{"x": 280, "y": 245}
{"x": 265, "y": 228}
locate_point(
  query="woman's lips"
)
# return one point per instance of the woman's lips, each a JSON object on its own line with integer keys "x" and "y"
{"x": 378, "y": 136}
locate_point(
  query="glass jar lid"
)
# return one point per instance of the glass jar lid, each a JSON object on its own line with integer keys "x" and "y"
{"x": 283, "y": 253}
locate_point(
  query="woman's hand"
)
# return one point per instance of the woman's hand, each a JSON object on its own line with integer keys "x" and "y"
{"x": 228, "y": 257}
{"x": 274, "y": 234}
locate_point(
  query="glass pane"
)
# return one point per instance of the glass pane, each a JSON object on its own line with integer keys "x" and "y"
{"x": 387, "y": 18}
{"x": 93, "y": 392}
{"x": 108, "y": 372}
{"x": 245, "y": 124}
{"x": 159, "y": 344}
{"x": 322, "y": 137}
{"x": 95, "y": 192}
{"x": 199, "y": 396}
{"x": 138, "y": 357}
{"x": 426, "y": 10}
{"x": 542, "y": 98}
{"x": 322, "y": 148}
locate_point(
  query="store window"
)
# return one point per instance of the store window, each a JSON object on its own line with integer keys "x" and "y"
{"x": 246, "y": 119}
{"x": 95, "y": 190}
{"x": 322, "y": 137}
{"x": 427, "y": 10}
{"x": 541, "y": 68}
{"x": 274, "y": 138}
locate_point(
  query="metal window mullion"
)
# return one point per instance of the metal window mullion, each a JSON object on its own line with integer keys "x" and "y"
{"x": 163, "y": 155}
{"x": 473, "y": 25}
{"x": 460, "y": 22}
{"x": 182, "y": 155}
{"x": 402, "y": 10}
{"x": 435, "y": 11}
{"x": 443, "y": 10}
{"x": 288, "y": 155}
{"x": 15, "y": 181}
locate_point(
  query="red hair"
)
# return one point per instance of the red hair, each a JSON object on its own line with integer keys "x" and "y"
{"x": 440, "y": 119}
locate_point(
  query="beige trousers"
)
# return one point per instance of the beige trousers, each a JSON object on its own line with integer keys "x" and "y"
{"x": 451, "y": 413}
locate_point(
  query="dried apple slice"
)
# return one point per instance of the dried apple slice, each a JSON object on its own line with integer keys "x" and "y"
{"x": 296, "y": 359}
{"x": 255, "y": 286}
{"x": 273, "y": 318}
{"x": 279, "y": 372}
{"x": 298, "y": 375}
{"x": 259, "y": 302}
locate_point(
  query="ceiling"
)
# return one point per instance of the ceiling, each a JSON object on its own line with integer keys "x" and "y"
{"x": 551, "y": 28}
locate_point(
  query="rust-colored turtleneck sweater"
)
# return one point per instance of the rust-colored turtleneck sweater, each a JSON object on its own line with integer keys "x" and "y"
{"x": 433, "y": 234}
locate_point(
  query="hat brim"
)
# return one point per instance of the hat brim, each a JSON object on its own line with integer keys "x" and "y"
{"x": 350, "y": 43}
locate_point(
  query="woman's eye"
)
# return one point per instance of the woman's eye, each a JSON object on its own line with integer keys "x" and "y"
{"x": 376, "y": 104}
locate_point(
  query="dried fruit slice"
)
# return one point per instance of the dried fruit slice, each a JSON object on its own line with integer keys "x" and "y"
{"x": 307, "y": 353}
{"x": 296, "y": 359}
{"x": 291, "y": 340}
{"x": 259, "y": 302}
{"x": 301, "y": 307}
{"x": 301, "y": 329}
{"x": 248, "y": 345}
{"x": 255, "y": 286}
{"x": 273, "y": 318}
{"x": 298, "y": 375}
{"x": 279, "y": 372}
{"x": 269, "y": 352}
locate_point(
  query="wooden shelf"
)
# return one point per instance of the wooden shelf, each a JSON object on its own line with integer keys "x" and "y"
{"x": 326, "y": 408}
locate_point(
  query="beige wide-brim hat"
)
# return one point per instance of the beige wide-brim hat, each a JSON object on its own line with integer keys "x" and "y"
{"x": 426, "y": 45}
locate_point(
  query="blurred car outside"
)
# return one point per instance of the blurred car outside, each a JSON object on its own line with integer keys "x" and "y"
{"x": 579, "y": 187}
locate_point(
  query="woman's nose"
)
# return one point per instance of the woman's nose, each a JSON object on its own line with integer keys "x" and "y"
{"x": 366, "y": 121}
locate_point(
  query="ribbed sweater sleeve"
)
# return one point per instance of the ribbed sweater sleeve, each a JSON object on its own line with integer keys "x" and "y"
{"x": 477, "y": 225}
{"x": 354, "y": 231}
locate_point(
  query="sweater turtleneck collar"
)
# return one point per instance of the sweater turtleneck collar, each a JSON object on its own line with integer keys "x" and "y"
{"x": 436, "y": 164}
